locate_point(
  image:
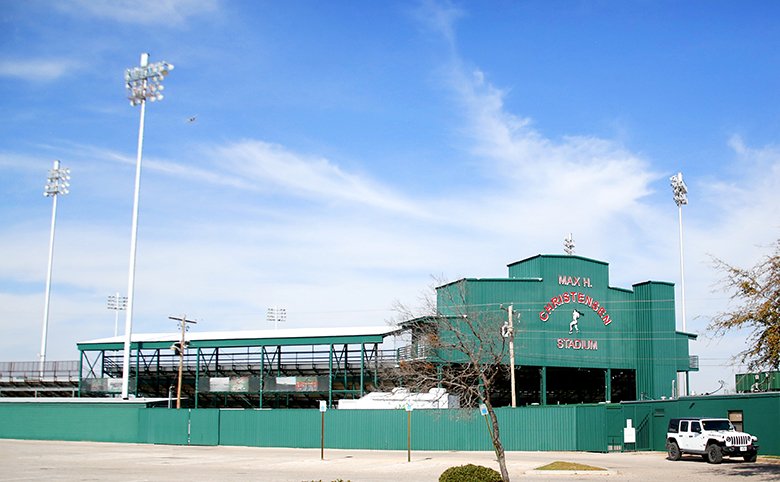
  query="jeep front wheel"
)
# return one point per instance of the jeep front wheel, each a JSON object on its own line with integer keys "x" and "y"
{"x": 714, "y": 454}
{"x": 673, "y": 451}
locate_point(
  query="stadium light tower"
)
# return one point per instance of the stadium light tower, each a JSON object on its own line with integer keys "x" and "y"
{"x": 680, "y": 191}
{"x": 143, "y": 83}
{"x": 277, "y": 315}
{"x": 57, "y": 185}
{"x": 117, "y": 303}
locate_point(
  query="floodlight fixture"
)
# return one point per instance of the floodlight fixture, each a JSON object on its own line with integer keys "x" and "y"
{"x": 276, "y": 316}
{"x": 679, "y": 189}
{"x": 568, "y": 245}
{"x": 56, "y": 185}
{"x": 143, "y": 82}
{"x": 57, "y": 181}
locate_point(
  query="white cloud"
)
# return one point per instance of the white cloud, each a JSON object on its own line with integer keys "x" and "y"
{"x": 38, "y": 70}
{"x": 439, "y": 17}
{"x": 271, "y": 166}
{"x": 164, "y": 12}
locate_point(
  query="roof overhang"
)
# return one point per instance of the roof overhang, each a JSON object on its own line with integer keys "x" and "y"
{"x": 223, "y": 339}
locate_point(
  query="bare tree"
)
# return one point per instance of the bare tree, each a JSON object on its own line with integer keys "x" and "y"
{"x": 458, "y": 347}
{"x": 758, "y": 291}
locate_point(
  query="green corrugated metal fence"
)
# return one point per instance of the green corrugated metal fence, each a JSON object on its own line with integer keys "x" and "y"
{"x": 597, "y": 428}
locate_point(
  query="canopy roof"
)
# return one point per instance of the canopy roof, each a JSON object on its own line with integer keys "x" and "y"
{"x": 219, "y": 339}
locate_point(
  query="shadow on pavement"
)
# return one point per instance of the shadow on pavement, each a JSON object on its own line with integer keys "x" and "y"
{"x": 764, "y": 470}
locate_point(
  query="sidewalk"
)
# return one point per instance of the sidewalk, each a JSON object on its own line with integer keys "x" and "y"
{"x": 79, "y": 461}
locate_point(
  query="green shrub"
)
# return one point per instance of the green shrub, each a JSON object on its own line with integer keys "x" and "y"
{"x": 470, "y": 473}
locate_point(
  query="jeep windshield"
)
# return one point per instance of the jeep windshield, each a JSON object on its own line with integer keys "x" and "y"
{"x": 716, "y": 425}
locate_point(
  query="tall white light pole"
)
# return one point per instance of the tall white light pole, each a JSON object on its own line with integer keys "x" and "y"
{"x": 143, "y": 83}
{"x": 57, "y": 184}
{"x": 680, "y": 191}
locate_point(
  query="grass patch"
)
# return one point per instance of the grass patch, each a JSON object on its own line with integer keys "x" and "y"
{"x": 568, "y": 466}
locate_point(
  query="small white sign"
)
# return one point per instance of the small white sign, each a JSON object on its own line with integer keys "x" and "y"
{"x": 408, "y": 407}
{"x": 483, "y": 409}
{"x": 629, "y": 433}
{"x": 323, "y": 406}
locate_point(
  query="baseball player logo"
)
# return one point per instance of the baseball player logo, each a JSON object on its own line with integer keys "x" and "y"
{"x": 575, "y": 316}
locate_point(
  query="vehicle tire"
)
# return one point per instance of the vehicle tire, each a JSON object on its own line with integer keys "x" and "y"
{"x": 673, "y": 451}
{"x": 750, "y": 456}
{"x": 714, "y": 454}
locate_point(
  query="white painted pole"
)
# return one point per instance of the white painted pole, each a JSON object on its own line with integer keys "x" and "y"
{"x": 48, "y": 281}
{"x": 133, "y": 248}
{"x": 512, "y": 355}
{"x": 682, "y": 273}
{"x": 680, "y": 191}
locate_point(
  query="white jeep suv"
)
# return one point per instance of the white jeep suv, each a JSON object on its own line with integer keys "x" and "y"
{"x": 711, "y": 438}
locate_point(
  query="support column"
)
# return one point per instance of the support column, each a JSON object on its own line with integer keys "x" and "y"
{"x": 197, "y": 375}
{"x": 137, "y": 366}
{"x": 81, "y": 364}
{"x": 346, "y": 371}
{"x": 330, "y": 376}
{"x": 543, "y": 386}
{"x": 608, "y": 385}
{"x": 262, "y": 374}
{"x": 362, "y": 365}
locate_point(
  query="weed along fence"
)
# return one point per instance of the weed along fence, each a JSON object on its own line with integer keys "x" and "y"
{"x": 596, "y": 428}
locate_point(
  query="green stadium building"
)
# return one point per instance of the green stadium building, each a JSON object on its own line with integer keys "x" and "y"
{"x": 578, "y": 339}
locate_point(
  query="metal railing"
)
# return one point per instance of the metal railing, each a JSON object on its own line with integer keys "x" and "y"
{"x": 31, "y": 370}
{"x": 229, "y": 360}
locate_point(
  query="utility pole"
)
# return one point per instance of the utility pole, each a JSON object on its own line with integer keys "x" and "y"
{"x": 508, "y": 331}
{"x": 180, "y": 346}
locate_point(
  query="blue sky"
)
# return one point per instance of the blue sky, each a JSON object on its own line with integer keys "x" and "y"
{"x": 342, "y": 153}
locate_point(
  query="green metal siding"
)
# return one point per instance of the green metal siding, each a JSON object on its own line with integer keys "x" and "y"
{"x": 560, "y": 428}
{"x": 69, "y": 421}
{"x": 204, "y": 427}
{"x": 270, "y": 428}
{"x": 591, "y": 428}
{"x": 164, "y": 426}
{"x": 656, "y": 339}
{"x": 538, "y": 428}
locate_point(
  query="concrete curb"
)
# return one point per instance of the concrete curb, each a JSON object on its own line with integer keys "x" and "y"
{"x": 570, "y": 472}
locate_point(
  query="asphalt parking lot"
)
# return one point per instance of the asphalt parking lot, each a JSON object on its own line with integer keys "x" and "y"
{"x": 86, "y": 461}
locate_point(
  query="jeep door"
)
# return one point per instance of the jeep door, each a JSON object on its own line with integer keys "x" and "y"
{"x": 684, "y": 436}
{"x": 697, "y": 440}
